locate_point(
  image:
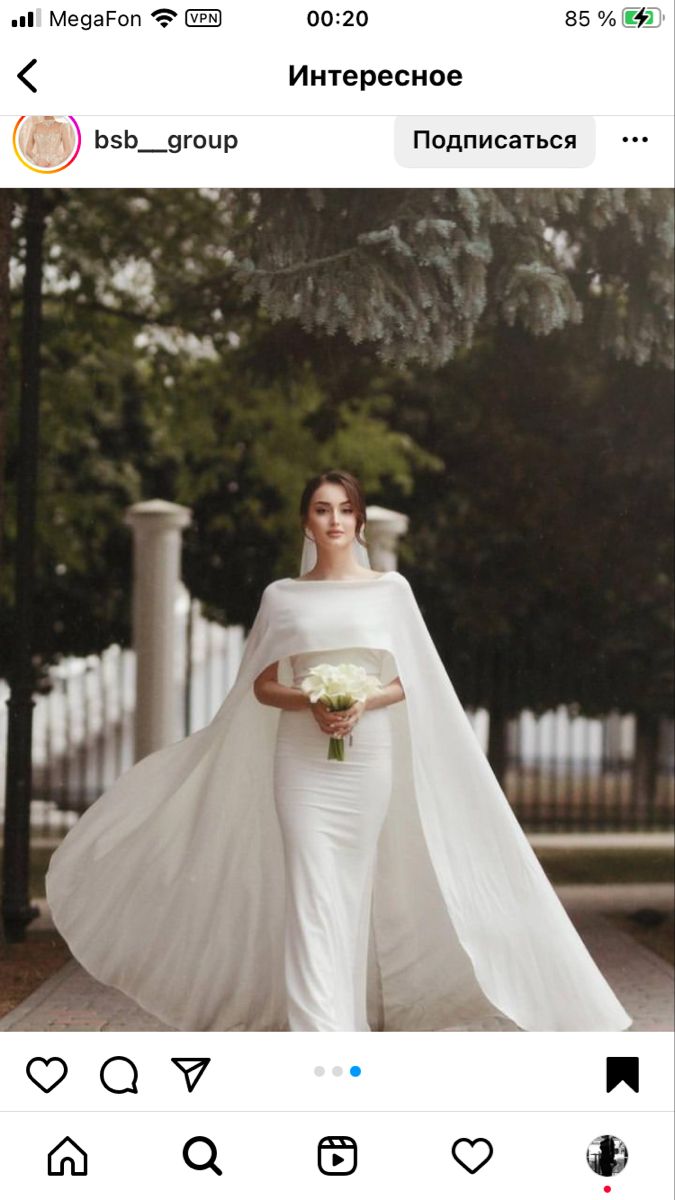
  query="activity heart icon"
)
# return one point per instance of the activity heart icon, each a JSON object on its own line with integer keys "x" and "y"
{"x": 472, "y": 1155}
{"x": 46, "y": 1073}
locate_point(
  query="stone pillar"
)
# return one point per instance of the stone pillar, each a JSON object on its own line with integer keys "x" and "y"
{"x": 384, "y": 527}
{"x": 156, "y": 527}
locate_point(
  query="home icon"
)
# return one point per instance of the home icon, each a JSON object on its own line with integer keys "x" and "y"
{"x": 67, "y": 1155}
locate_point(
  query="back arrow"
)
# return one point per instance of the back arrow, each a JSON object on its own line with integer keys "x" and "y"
{"x": 22, "y": 74}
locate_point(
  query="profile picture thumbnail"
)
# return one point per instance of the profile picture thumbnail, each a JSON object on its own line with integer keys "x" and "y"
{"x": 607, "y": 1155}
{"x": 47, "y": 144}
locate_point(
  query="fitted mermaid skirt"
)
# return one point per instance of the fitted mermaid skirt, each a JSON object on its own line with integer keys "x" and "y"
{"x": 330, "y": 815}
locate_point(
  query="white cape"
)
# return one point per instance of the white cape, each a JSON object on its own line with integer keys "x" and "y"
{"x": 171, "y": 886}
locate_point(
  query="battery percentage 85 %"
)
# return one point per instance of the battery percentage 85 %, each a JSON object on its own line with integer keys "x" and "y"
{"x": 631, "y": 18}
{"x": 584, "y": 17}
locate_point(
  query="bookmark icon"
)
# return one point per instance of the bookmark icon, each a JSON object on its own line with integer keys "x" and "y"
{"x": 623, "y": 1070}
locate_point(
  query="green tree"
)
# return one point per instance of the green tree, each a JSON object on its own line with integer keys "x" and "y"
{"x": 125, "y": 417}
{"x": 543, "y": 552}
{"x": 163, "y": 375}
{"x": 5, "y": 242}
{"x": 418, "y": 271}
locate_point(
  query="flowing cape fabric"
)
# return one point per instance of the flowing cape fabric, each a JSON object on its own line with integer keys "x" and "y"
{"x": 171, "y": 886}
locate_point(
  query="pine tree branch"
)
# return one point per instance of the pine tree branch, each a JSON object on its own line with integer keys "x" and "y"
{"x": 308, "y": 265}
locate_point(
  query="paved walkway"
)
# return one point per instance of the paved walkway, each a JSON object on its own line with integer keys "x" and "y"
{"x": 72, "y": 1000}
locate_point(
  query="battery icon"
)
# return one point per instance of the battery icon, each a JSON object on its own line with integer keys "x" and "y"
{"x": 641, "y": 18}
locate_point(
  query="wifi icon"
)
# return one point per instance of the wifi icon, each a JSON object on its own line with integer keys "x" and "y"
{"x": 164, "y": 16}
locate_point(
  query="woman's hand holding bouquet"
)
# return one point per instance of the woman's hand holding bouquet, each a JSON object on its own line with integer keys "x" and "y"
{"x": 344, "y": 689}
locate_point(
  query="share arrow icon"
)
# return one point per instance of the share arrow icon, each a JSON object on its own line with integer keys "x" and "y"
{"x": 193, "y": 1069}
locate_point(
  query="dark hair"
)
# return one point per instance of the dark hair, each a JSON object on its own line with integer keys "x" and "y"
{"x": 352, "y": 487}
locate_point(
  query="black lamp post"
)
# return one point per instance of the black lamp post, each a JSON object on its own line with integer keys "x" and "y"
{"x": 17, "y": 910}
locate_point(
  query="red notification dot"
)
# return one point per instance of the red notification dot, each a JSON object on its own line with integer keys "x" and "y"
{"x": 607, "y": 1189}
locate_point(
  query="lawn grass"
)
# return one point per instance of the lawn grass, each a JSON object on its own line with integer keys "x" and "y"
{"x": 39, "y": 861}
{"x": 611, "y": 865}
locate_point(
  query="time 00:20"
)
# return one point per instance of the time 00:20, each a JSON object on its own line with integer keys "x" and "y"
{"x": 337, "y": 18}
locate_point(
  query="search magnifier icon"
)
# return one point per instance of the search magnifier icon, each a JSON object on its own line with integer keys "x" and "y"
{"x": 198, "y": 1164}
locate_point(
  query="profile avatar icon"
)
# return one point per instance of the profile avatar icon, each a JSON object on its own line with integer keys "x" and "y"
{"x": 607, "y": 1155}
{"x": 47, "y": 144}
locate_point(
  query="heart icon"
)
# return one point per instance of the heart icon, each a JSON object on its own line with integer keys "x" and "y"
{"x": 46, "y": 1073}
{"x": 472, "y": 1155}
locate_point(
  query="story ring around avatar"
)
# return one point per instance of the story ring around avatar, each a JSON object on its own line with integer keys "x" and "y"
{"x": 46, "y": 145}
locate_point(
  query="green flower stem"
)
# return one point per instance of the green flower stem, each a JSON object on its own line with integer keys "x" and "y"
{"x": 336, "y": 746}
{"x": 336, "y": 749}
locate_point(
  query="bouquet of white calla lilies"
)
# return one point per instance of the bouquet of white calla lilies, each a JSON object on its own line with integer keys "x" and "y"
{"x": 338, "y": 687}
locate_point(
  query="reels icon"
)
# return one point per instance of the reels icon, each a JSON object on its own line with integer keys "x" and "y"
{"x": 337, "y": 1156}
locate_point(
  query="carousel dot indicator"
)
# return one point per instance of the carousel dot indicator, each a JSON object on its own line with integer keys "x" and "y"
{"x": 337, "y": 1070}
{"x": 319, "y": 1070}
{"x": 607, "y": 1188}
{"x": 355, "y": 1071}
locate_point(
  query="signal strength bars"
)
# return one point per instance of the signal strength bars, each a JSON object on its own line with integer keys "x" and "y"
{"x": 30, "y": 21}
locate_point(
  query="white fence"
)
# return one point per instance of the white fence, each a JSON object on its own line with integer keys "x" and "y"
{"x": 83, "y": 737}
{"x": 83, "y": 727}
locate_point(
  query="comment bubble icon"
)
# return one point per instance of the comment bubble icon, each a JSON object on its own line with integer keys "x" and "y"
{"x": 119, "y": 1075}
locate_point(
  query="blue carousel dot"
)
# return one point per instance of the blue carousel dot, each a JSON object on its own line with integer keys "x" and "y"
{"x": 355, "y": 1071}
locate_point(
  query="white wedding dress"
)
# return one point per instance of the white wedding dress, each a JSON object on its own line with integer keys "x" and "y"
{"x": 238, "y": 880}
{"x": 331, "y": 814}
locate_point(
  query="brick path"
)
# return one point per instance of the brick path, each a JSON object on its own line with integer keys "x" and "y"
{"x": 72, "y": 1000}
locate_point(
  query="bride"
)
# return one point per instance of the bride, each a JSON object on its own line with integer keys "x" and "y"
{"x": 242, "y": 879}
{"x": 330, "y": 813}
